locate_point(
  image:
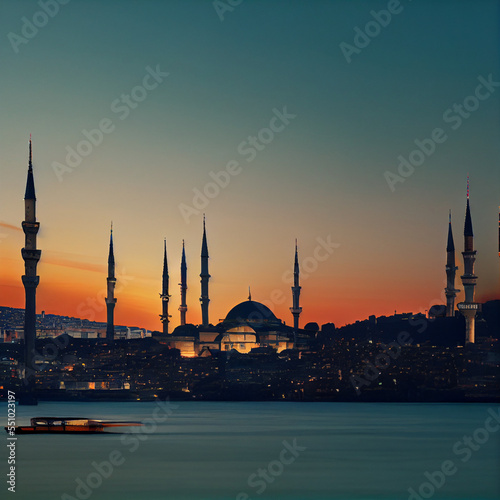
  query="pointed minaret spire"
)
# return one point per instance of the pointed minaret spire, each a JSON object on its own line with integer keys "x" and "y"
{"x": 30, "y": 182}
{"x": 111, "y": 255}
{"x": 205, "y": 276}
{"x": 164, "y": 316}
{"x": 31, "y": 256}
{"x": 249, "y": 294}
{"x": 296, "y": 309}
{"x": 450, "y": 245}
{"x": 204, "y": 246}
{"x": 111, "y": 282}
{"x": 165, "y": 263}
{"x": 468, "y": 220}
{"x": 468, "y": 307}
{"x": 183, "y": 284}
{"x": 296, "y": 263}
{"x": 451, "y": 269}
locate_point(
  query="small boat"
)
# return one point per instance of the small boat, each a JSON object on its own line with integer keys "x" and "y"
{"x": 70, "y": 425}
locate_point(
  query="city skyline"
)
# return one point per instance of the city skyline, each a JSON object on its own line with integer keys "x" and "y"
{"x": 327, "y": 133}
{"x": 276, "y": 297}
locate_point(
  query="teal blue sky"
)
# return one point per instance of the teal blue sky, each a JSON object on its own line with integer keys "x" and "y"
{"x": 323, "y": 175}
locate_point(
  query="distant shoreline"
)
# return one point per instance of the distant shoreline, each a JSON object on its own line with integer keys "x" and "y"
{"x": 130, "y": 396}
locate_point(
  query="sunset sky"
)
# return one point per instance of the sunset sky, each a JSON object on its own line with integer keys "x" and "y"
{"x": 330, "y": 121}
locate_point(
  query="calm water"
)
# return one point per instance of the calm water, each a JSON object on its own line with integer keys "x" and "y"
{"x": 211, "y": 450}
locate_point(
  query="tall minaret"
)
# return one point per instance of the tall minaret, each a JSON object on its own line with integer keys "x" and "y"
{"x": 296, "y": 309}
{"x": 183, "y": 284}
{"x": 110, "y": 299}
{"x": 164, "y": 291}
{"x": 204, "y": 278}
{"x": 451, "y": 269}
{"x": 31, "y": 257}
{"x": 468, "y": 307}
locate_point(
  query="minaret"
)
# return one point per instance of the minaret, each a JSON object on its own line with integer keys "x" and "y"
{"x": 164, "y": 291}
{"x": 183, "y": 284}
{"x": 204, "y": 278}
{"x": 296, "y": 309}
{"x": 31, "y": 257}
{"x": 451, "y": 269}
{"x": 110, "y": 299}
{"x": 468, "y": 308}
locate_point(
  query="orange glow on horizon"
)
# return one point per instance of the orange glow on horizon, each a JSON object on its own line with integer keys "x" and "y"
{"x": 137, "y": 307}
{"x": 74, "y": 285}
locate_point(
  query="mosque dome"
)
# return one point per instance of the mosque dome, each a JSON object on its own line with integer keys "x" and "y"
{"x": 251, "y": 311}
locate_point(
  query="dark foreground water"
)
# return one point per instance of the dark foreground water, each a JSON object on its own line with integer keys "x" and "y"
{"x": 242, "y": 451}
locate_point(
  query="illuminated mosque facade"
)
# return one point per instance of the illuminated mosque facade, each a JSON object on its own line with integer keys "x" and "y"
{"x": 248, "y": 326}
